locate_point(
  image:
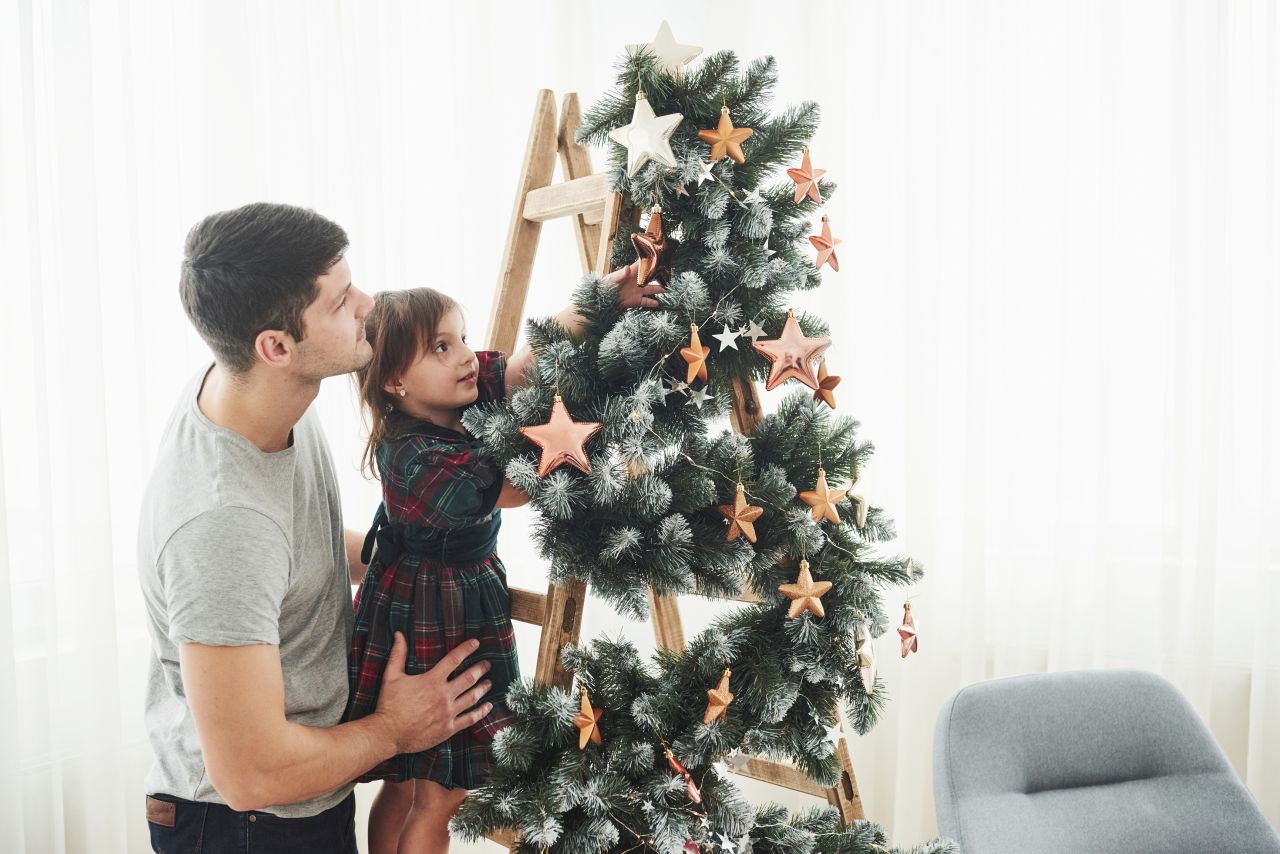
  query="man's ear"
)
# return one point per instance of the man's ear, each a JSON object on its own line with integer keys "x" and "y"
{"x": 274, "y": 347}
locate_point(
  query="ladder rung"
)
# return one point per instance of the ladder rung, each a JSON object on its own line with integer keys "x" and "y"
{"x": 580, "y": 196}
{"x": 528, "y": 606}
{"x": 781, "y": 774}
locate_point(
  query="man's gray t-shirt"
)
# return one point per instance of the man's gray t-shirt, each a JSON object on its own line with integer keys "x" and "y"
{"x": 236, "y": 547}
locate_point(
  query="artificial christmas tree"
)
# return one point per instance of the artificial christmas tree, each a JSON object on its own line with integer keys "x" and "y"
{"x": 642, "y": 764}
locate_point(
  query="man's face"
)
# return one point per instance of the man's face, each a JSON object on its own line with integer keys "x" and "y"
{"x": 333, "y": 339}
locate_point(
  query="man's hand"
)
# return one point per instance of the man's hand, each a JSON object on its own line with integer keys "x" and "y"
{"x": 424, "y": 710}
{"x": 630, "y": 293}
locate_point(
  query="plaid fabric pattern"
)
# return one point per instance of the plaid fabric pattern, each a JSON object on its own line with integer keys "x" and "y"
{"x": 436, "y": 482}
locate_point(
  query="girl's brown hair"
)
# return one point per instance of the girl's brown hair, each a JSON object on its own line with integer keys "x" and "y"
{"x": 400, "y": 326}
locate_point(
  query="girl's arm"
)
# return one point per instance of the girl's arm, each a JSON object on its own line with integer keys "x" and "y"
{"x": 630, "y": 293}
{"x": 511, "y": 496}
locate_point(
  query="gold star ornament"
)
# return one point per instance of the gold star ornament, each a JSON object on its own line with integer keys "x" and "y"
{"x": 741, "y": 516}
{"x": 588, "y": 723}
{"x": 726, "y": 139}
{"x": 822, "y": 499}
{"x": 718, "y": 700}
{"x": 806, "y": 594}
{"x": 792, "y": 355}
{"x": 561, "y": 440}
{"x": 696, "y": 355}
{"x": 826, "y": 386}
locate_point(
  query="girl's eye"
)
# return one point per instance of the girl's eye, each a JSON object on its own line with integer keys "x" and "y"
{"x": 440, "y": 348}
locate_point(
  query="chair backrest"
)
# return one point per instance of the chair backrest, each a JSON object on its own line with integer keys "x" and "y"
{"x": 1087, "y": 761}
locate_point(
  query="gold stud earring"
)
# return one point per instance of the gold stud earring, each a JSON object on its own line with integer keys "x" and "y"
{"x": 400, "y": 391}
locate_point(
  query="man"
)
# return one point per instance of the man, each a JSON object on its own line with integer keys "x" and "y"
{"x": 243, "y": 561}
{"x": 246, "y": 568}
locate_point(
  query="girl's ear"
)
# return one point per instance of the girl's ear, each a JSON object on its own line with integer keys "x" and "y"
{"x": 390, "y": 387}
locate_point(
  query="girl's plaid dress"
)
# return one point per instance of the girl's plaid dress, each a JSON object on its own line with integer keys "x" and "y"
{"x": 435, "y": 578}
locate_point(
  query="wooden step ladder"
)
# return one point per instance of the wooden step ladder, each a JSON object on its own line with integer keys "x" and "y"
{"x": 598, "y": 214}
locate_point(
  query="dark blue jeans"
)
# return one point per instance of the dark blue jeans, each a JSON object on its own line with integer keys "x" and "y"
{"x": 191, "y": 827}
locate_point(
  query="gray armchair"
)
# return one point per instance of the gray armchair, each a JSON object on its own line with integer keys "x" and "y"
{"x": 1088, "y": 762}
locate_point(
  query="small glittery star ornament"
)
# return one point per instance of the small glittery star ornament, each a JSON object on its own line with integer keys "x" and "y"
{"x": 653, "y": 251}
{"x": 806, "y": 594}
{"x": 822, "y": 499}
{"x": 826, "y": 386}
{"x": 726, "y": 139}
{"x": 588, "y": 723}
{"x": 741, "y": 516}
{"x": 648, "y": 137}
{"x": 696, "y": 355}
{"x": 690, "y": 788}
{"x": 718, "y": 700}
{"x": 907, "y": 631}
{"x": 806, "y": 179}
{"x": 561, "y": 440}
{"x": 792, "y": 354}
{"x": 826, "y": 246}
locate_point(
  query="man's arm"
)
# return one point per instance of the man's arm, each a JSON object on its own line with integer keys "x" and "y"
{"x": 630, "y": 293}
{"x": 355, "y": 544}
{"x": 256, "y": 758}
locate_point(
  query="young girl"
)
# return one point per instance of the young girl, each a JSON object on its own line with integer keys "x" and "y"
{"x": 434, "y": 576}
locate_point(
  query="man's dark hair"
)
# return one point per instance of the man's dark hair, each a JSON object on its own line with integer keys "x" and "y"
{"x": 255, "y": 268}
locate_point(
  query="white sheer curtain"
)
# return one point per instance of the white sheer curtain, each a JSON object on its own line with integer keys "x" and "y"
{"x": 1055, "y": 316}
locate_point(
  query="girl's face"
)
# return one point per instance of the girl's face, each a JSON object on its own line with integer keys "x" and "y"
{"x": 442, "y": 379}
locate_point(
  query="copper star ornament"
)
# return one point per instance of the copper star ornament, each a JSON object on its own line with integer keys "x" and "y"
{"x": 671, "y": 55}
{"x": 648, "y": 137}
{"x": 718, "y": 700}
{"x": 806, "y": 594}
{"x": 792, "y": 355}
{"x": 696, "y": 355}
{"x": 823, "y": 500}
{"x": 561, "y": 440}
{"x": 806, "y": 179}
{"x": 588, "y": 723}
{"x": 826, "y": 246}
{"x": 826, "y": 386}
{"x": 741, "y": 516}
{"x": 726, "y": 139}
{"x": 865, "y": 649}
{"x": 652, "y": 247}
{"x": 907, "y": 631}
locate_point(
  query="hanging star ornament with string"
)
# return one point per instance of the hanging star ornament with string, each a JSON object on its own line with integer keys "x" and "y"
{"x": 806, "y": 179}
{"x": 826, "y": 246}
{"x": 822, "y": 500}
{"x": 855, "y": 495}
{"x": 726, "y": 139}
{"x": 792, "y": 354}
{"x": 671, "y": 55}
{"x": 587, "y": 720}
{"x": 718, "y": 700}
{"x": 826, "y": 386}
{"x": 741, "y": 516}
{"x": 908, "y": 631}
{"x": 562, "y": 440}
{"x": 696, "y": 355}
{"x": 806, "y": 594}
{"x": 648, "y": 137}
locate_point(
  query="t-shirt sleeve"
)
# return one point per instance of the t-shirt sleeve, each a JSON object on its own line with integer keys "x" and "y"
{"x": 439, "y": 486}
{"x": 491, "y": 378}
{"x": 224, "y": 575}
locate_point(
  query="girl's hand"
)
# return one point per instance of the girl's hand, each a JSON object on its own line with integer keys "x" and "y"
{"x": 630, "y": 293}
